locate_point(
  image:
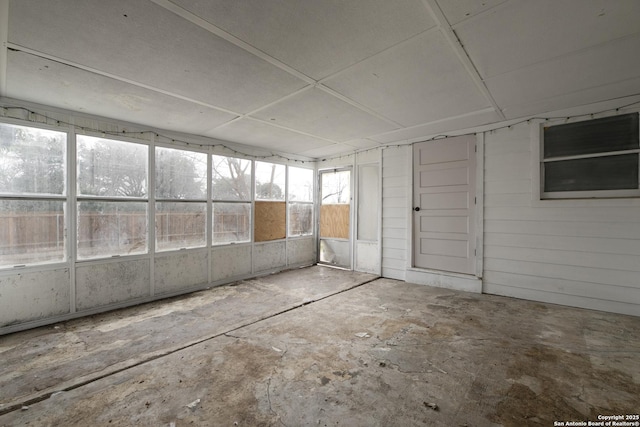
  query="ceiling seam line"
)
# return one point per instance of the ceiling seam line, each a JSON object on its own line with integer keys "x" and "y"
{"x": 292, "y": 130}
{"x": 250, "y": 113}
{"x": 479, "y": 15}
{"x": 4, "y": 40}
{"x": 567, "y": 55}
{"x": 42, "y": 55}
{"x": 357, "y": 105}
{"x": 371, "y": 57}
{"x": 196, "y": 20}
{"x": 455, "y": 43}
{"x": 213, "y": 29}
{"x": 434, "y": 122}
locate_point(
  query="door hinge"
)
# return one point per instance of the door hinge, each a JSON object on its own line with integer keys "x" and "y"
{"x": 475, "y": 148}
{"x": 475, "y": 200}
{"x": 475, "y": 252}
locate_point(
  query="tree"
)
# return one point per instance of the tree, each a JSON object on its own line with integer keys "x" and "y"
{"x": 112, "y": 168}
{"x": 178, "y": 175}
{"x": 32, "y": 161}
{"x": 231, "y": 178}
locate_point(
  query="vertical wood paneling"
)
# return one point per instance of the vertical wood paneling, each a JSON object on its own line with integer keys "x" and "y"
{"x": 396, "y": 176}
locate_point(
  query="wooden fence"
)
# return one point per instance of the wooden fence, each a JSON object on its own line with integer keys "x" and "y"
{"x": 20, "y": 233}
{"x": 44, "y": 231}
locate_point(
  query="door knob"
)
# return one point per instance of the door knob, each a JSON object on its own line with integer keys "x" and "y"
{"x": 417, "y": 209}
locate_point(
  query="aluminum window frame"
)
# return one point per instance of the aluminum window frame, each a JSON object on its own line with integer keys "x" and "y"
{"x": 64, "y": 197}
{"x": 587, "y": 194}
{"x": 149, "y": 212}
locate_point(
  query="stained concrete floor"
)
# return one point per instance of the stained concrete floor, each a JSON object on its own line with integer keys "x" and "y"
{"x": 321, "y": 346}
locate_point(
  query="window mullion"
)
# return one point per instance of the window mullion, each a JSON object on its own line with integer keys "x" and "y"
{"x": 590, "y": 156}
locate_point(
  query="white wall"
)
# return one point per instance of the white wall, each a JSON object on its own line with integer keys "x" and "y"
{"x": 583, "y": 253}
{"x": 396, "y": 205}
{"x": 367, "y": 248}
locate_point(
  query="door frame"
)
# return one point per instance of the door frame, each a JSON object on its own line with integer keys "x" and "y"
{"x": 350, "y": 240}
{"x": 415, "y": 273}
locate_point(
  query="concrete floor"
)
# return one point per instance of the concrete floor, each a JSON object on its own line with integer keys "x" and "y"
{"x": 320, "y": 346}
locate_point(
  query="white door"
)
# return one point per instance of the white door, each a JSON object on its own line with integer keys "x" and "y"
{"x": 444, "y": 204}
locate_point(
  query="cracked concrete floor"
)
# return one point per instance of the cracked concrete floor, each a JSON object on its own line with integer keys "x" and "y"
{"x": 324, "y": 347}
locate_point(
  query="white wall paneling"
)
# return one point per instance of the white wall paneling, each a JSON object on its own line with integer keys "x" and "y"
{"x": 368, "y": 215}
{"x": 396, "y": 210}
{"x": 584, "y": 253}
{"x": 180, "y": 271}
{"x": 269, "y": 256}
{"x": 232, "y": 261}
{"x": 301, "y": 251}
{"x": 28, "y": 296}
{"x": 101, "y": 284}
{"x": 367, "y": 257}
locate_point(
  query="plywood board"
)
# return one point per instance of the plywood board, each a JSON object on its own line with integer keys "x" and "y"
{"x": 334, "y": 221}
{"x": 270, "y": 221}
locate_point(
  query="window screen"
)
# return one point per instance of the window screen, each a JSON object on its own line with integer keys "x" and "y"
{"x": 32, "y": 195}
{"x": 592, "y": 156}
{"x": 112, "y": 204}
{"x": 231, "y": 192}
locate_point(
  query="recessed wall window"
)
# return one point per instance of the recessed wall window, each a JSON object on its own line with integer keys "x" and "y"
{"x": 594, "y": 158}
{"x": 112, "y": 197}
{"x": 231, "y": 194}
{"x": 32, "y": 195}
{"x": 181, "y": 206}
{"x": 300, "y": 201}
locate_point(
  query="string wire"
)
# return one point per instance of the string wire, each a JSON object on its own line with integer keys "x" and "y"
{"x": 289, "y": 159}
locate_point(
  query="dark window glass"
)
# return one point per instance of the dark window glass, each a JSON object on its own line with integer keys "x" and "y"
{"x": 599, "y": 173}
{"x": 594, "y": 136}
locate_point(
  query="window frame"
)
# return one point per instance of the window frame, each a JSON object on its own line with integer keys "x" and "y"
{"x": 249, "y": 201}
{"x": 157, "y": 200}
{"x": 80, "y": 198}
{"x": 63, "y": 197}
{"x": 539, "y": 179}
{"x": 301, "y": 202}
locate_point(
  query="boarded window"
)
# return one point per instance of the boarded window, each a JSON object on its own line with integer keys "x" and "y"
{"x": 270, "y": 208}
{"x": 270, "y": 221}
{"x": 335, "y": 205}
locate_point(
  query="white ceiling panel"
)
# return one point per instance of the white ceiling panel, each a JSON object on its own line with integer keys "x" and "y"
{"x": 430, "y": 129}
{"x": 145, "y": 43}
{"x": 420, "y": 81}
{"x": 460, "y": 10}
{"x": 328, "y": 151}
{"x": 525, "y": 32}
{"x": 260, "y": 134}
{"x": 362, "y": 143}
{"x": 606, "y": 64}
{"x": 583, "y": 97}
{"x": 317, "y": 38}
{"x": 31, "y": 78}
{"x": 316, "y": 112}
{"x": 388, "y": 71}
